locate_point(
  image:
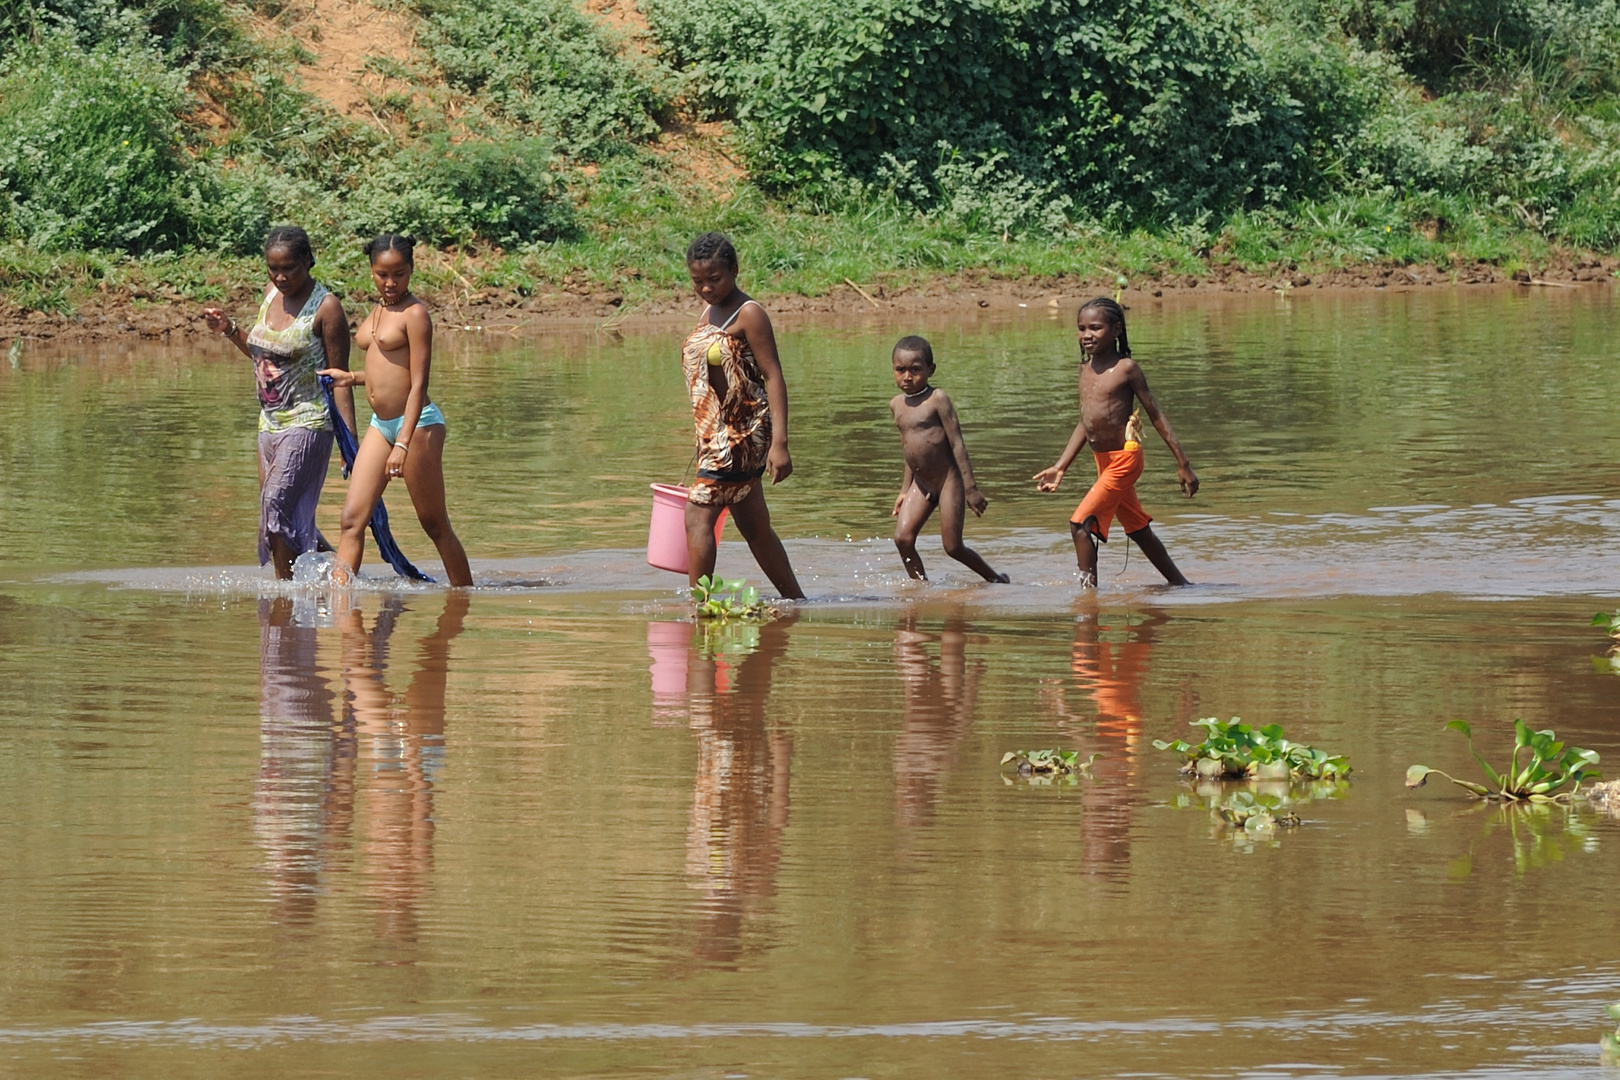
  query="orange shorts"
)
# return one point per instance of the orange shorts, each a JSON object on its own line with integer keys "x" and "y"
{"x": 1114, "y": 493}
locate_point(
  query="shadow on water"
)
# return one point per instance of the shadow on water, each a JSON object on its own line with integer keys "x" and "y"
{"x": 350, "y": 770}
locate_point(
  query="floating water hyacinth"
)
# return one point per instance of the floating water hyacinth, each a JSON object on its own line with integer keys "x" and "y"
{"x": 1610, "y": 621}
{"x": 1234, "y": 750}
{"x": 1046, "y": 767}
{"x": 1552, "y": 772}
{"x": 1609, "y": 1043}
{"x": 730, "y": 601}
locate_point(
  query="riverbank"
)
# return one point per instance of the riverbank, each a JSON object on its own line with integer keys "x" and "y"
{"x": 163, "y": 301}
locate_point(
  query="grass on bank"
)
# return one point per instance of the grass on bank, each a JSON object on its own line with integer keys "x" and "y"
{"x": 636, "y": 216}
{"x": 516, "y": 139}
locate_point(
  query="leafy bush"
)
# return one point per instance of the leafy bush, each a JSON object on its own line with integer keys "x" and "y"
{"x": 1447, "y": 42}
{"x": 545, "y": 65}
{"x": 446, "y": 192}
{"x": 184, "y": 31}
{"x": 1435, "y": 37}
{"x": 1141, "y": 109}
{"x": 91, "y": 148}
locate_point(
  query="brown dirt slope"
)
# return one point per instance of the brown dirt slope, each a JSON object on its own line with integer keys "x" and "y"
{"x": 341, "y": 35}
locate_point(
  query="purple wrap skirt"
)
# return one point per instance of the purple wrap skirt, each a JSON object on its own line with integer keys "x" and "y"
{"x": 294, "y": 462}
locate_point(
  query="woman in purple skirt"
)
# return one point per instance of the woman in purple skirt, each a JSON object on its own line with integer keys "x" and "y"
{"x": 301, "y": 329}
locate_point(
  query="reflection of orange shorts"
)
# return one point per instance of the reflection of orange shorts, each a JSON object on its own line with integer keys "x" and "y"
{"x": 1114, "y": 493}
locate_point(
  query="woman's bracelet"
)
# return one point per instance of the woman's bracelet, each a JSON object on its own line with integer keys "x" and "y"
{"x": 405, "y": 446}
{"x": 231, "y": 331}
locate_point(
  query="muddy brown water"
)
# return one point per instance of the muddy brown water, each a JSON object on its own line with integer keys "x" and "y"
{"x": 551, "y": 828}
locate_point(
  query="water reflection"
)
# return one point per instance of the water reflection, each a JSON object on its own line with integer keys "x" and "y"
{"x": 292, "y": 808}
{"x": 740, "y": 797}
{"x": 1110, "y": 664}
{"x": 327, "y": 774}
{"x": 939, "y": 702}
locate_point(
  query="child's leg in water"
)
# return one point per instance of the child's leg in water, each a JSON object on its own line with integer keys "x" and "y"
{"x": 367, "y": 480}
{"x": 952, "y": 512}
{"x": 424, "y": 479}
{"x": 1153, "y": 548}
{"x": 754, "y": 522}
{"x": 1085, "y": 549}
{"x": 914, "y": 514}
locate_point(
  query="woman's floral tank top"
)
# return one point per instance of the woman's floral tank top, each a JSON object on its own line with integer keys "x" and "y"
{"x": 285, "y": 362}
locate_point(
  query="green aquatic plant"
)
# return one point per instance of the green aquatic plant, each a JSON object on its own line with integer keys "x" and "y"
{"x": 1049, "y": 763}
{"x": 1234, "y": 750}
{"x": 729, "y": 601}
{"x": 1610, "y": 621}
{"x": 1255, "y": 812}
{"x": 1609, "y": 1042}
{"x": 1542, "y": 779}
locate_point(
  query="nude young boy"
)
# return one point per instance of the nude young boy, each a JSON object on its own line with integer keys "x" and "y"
{"x": 938, "y": 472}
{"x": 1110, "y": 383}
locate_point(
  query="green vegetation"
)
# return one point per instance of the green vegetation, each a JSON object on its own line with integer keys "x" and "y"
{"x": 1234, "y": 750}
{"x": 1549, "y": 767}
{"x": 1256, "y": 813}
{"x": 1610, "y": 621}
{"x": 886, "y": 142}
{"x": 1609, "y": 1042}
{"x": 1044, "y": 766}
{"x": 729, "y": 601}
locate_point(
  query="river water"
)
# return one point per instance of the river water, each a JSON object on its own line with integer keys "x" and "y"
{"x": 549, "y": 827}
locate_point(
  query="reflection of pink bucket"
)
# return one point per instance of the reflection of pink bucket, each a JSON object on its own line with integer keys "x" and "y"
{"x": 666, "y": 539}
{"x": 669, "y": 644}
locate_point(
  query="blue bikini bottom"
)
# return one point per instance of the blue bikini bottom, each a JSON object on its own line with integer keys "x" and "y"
{"x": 390, "y": 428}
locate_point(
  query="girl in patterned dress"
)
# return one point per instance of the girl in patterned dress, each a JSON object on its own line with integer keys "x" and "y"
{"x": 740, "y": 412}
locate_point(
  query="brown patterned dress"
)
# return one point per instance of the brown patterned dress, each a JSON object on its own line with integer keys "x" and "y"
{"x": 733, "y": 432}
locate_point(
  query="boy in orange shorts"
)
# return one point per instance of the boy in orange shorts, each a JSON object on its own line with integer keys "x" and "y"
{"x": 1111, "y": 383}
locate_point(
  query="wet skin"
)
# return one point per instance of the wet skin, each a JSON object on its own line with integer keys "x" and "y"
{"x": 398, "y": 339}
{"x": 936, "y": 462}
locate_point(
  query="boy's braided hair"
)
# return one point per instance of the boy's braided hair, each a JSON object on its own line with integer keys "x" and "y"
{"x": 1116, "y": 315}
{"x": 711, "y": 246}
{"x": 292, "y": 238}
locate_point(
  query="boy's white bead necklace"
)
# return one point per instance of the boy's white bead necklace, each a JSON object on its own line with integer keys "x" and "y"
{"x": 918, "y": 395}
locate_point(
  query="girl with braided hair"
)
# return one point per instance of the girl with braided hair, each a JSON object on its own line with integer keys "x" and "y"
{"x": 1111, "y": 383}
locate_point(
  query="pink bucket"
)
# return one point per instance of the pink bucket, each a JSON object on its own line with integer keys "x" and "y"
{"x": 666, "y": 539}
